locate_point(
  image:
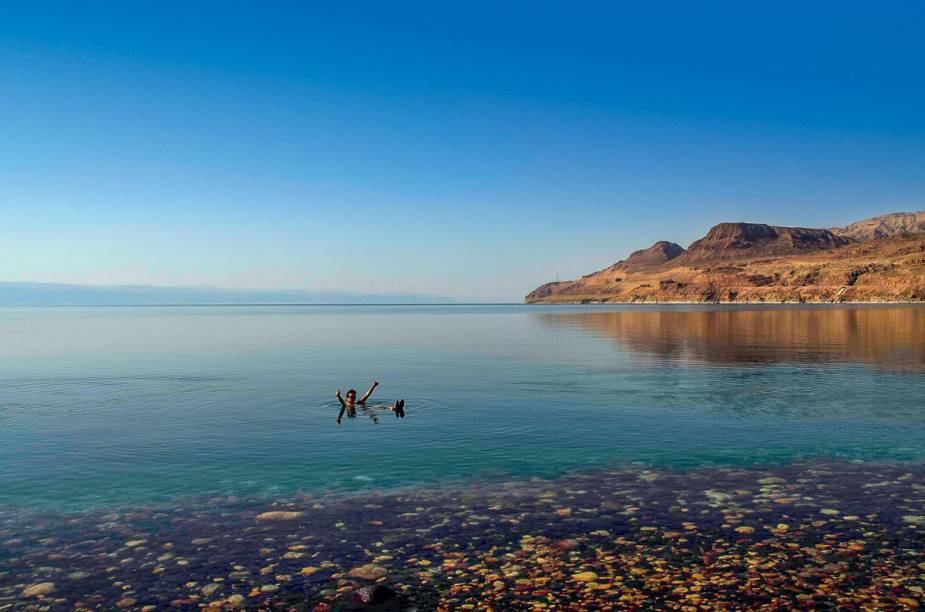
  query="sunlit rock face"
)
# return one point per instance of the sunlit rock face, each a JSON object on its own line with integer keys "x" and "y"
{"x": 882, "y": 226}
{"x": 733, "y": 240}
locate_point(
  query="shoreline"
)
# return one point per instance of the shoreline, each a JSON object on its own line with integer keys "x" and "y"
{"x": 722, "y": 303}
{"x": 630, "y": 536}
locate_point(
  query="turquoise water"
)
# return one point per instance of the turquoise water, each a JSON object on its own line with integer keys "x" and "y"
{"x": 114, "y": 406}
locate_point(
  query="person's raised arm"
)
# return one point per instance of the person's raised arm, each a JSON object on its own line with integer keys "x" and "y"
{"x": 366, "y": 395}
{"x": 343, "y": 406}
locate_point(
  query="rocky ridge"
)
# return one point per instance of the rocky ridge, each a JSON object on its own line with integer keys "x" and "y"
{"x": 884, "y": 225}
{"x": 881, "y": 259}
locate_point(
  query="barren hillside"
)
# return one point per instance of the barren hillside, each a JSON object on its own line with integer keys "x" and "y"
{"x": 876, "y": 260}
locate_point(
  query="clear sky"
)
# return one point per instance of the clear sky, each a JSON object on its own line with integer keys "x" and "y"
{"x": 471, "y": 150}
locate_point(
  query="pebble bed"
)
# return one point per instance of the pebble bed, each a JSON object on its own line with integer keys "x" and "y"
{"x": 814, "y": 535}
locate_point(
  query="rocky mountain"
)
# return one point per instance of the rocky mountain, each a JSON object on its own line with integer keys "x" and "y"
{"x": 732, "y": 240}
{"x": 875, "y": 260}
{"x": 654, "y": 256}
{"x": 884, "y": 225}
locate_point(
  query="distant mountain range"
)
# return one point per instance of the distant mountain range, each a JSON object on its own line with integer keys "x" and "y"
{"x": 57, "y": 294}
{"x": 881, "y": 259}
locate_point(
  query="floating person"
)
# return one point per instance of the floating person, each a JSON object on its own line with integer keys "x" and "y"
{"x": 352, "y": 401}
{"x": 350, "y": 405}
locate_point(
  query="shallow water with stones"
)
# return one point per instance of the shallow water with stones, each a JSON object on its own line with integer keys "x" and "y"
{"x": 809, "y": 535}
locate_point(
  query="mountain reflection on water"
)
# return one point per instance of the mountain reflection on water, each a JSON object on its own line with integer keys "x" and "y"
{"x": 891, "y": 337}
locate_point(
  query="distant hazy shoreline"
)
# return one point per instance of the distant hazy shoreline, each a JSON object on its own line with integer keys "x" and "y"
{"x": 20, "y": 293}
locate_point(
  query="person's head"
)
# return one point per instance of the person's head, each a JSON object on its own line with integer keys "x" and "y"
{"x": 351, "y": 397}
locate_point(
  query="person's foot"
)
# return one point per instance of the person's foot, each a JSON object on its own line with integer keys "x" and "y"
{"x": 400, "y": 408}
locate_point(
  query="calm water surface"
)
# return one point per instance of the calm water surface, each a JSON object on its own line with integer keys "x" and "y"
{"x": 103, "y": 406}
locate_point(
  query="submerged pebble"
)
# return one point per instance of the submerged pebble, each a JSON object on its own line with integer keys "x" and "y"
{"x": 38, "y": 589}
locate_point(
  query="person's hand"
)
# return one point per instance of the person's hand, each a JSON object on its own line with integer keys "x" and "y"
{"x": 375, "y": 383}
{"x": 338, "y": 420}
{"x": 337, "y": 394}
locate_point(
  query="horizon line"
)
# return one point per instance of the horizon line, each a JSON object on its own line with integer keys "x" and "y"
{"x": 274, "y": 304}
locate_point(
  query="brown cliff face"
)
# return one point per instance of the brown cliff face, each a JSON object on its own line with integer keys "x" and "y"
{"x": 753, "y": 262}
{"x": 733, "y": 240}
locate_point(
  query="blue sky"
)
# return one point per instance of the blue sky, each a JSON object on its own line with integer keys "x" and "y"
{"x": 470, "y": 150}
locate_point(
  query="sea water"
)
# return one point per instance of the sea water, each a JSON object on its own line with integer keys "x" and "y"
{"x": 106, "y": 406}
